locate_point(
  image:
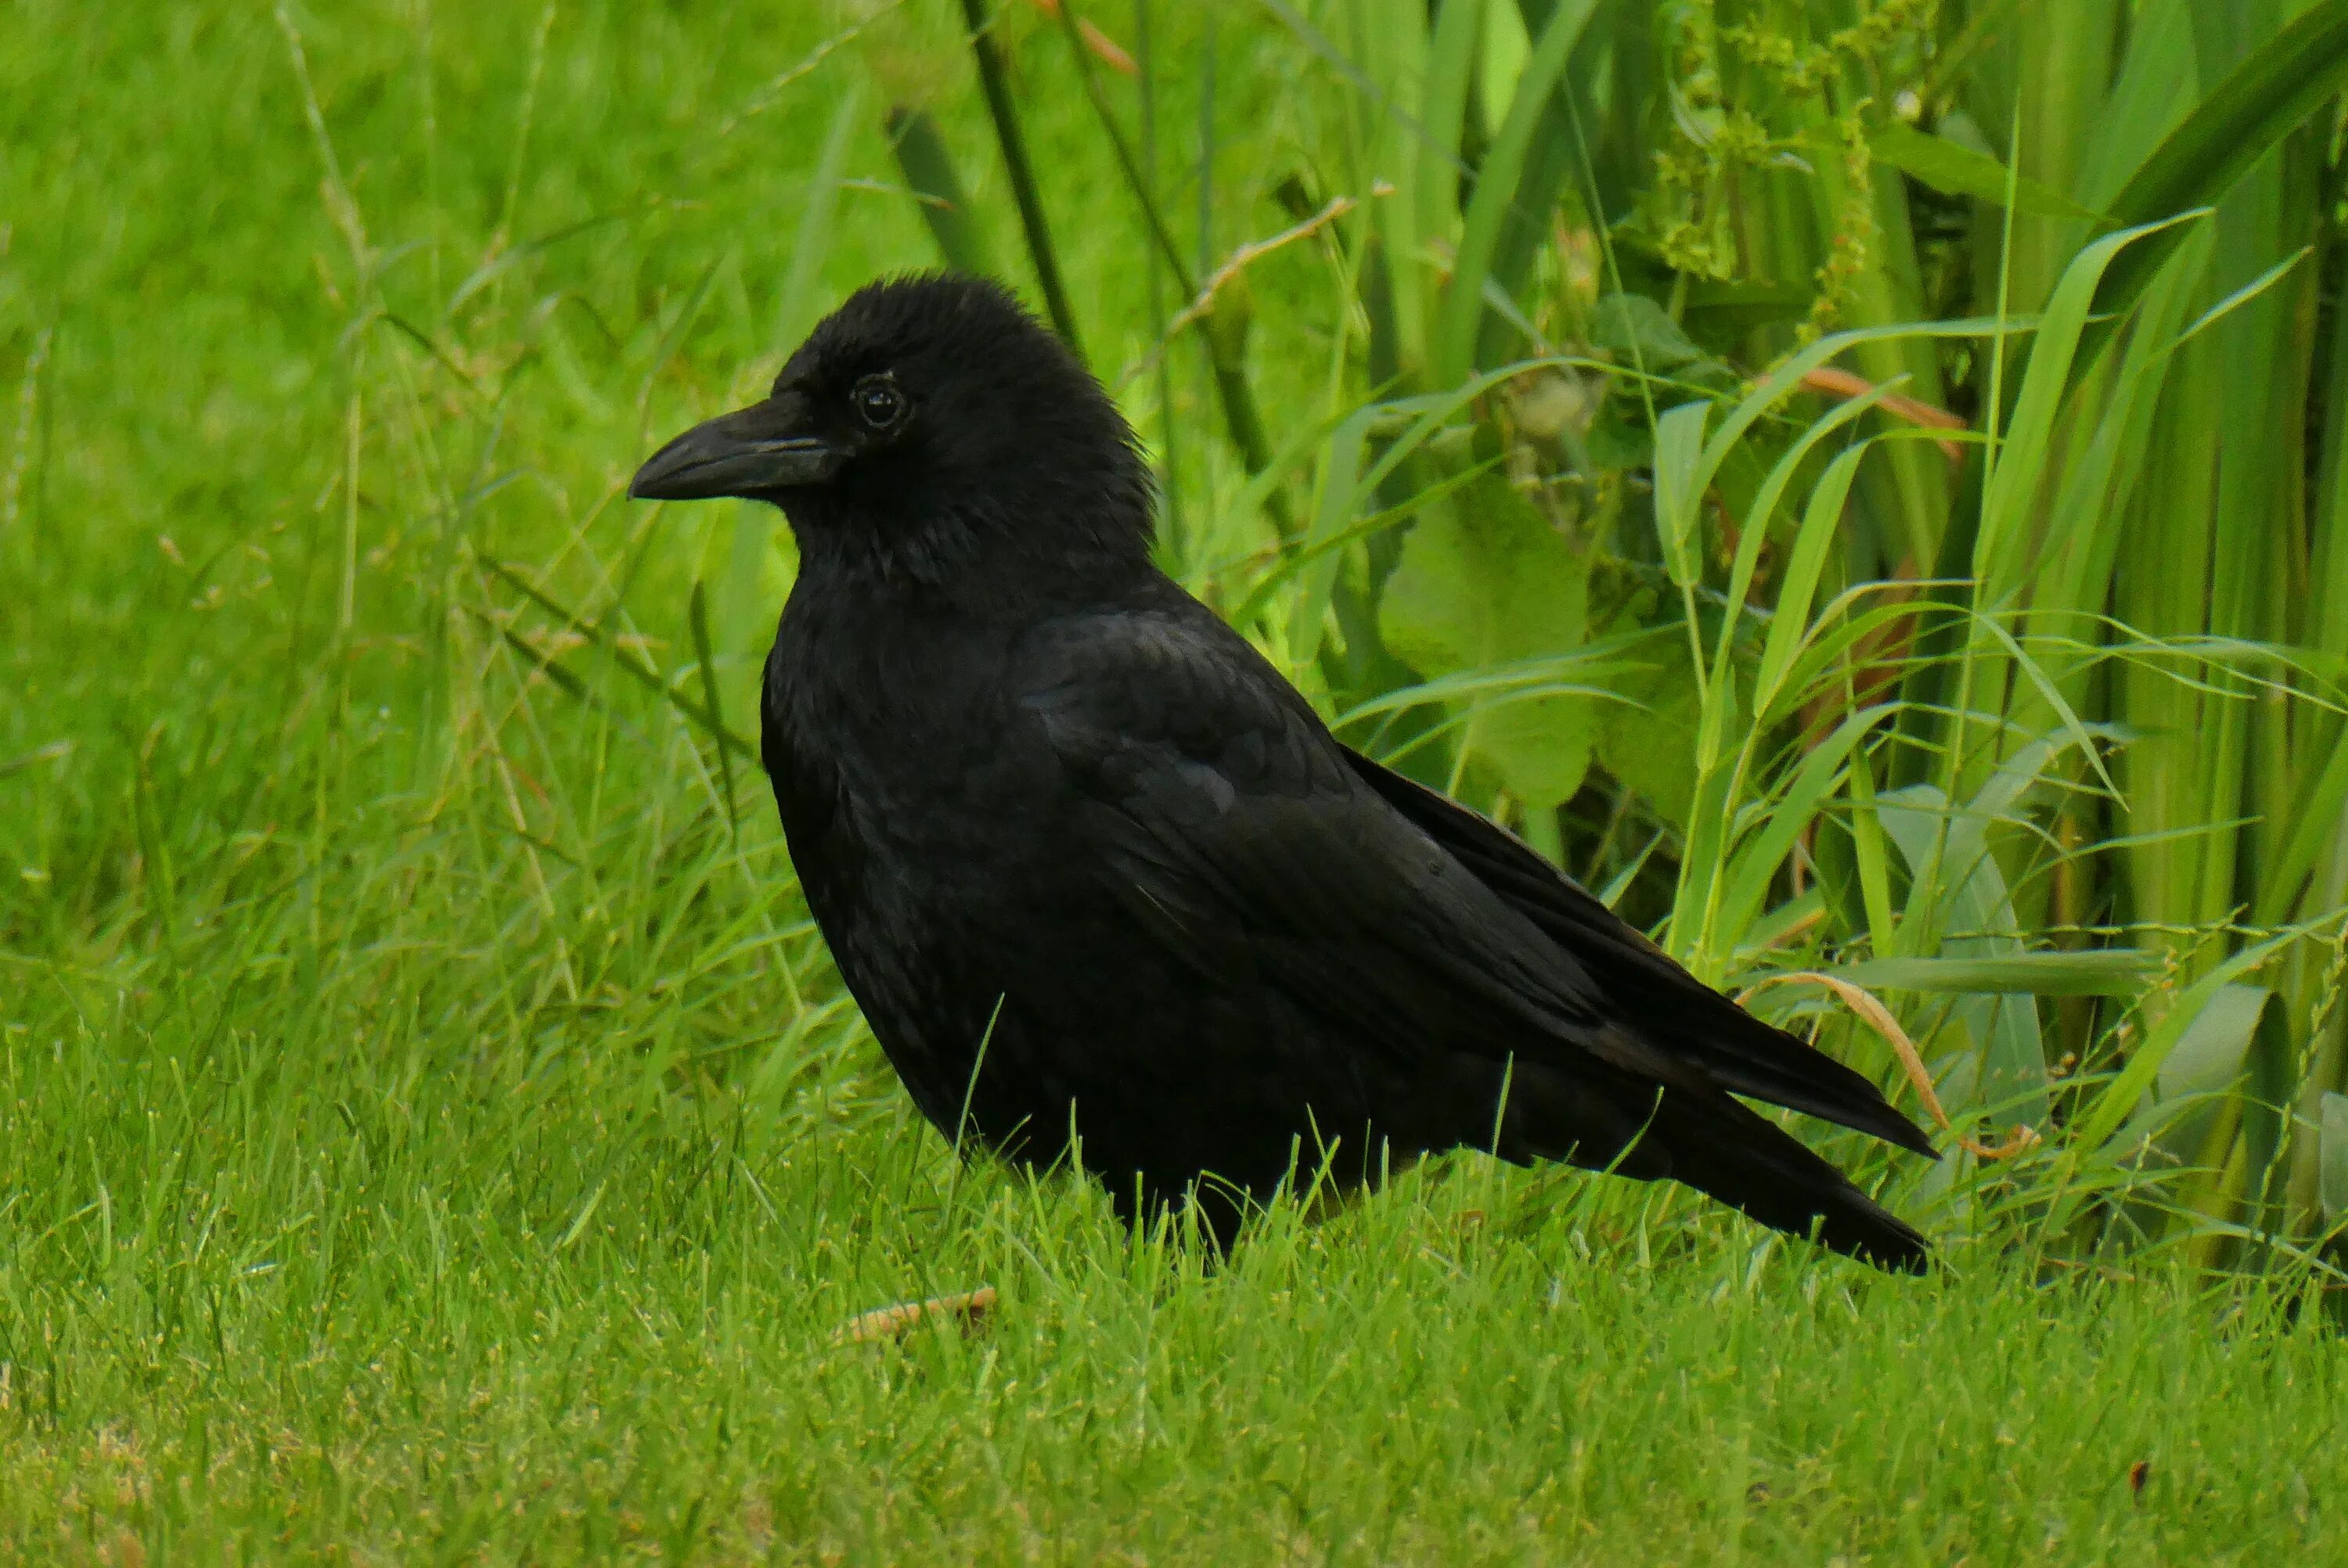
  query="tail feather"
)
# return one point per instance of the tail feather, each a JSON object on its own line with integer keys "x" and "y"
{"x": 1660, "y": 1002}
{"x": 1707, "y": 1140}
{"x": 1750, "y": 1057}
{"x": 1726, "y": 1151}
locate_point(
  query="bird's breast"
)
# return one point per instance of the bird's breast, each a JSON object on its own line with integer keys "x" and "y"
{"x": 911, "y": 791}
{"x": 914, "y": 819}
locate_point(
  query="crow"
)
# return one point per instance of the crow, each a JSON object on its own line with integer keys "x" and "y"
{"x": 1104, "y": 883}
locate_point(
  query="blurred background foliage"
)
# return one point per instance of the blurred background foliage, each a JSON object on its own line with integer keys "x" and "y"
{"x": 1862, "y": 483}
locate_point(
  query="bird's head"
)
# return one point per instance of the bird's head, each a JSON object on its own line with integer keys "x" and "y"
{"x": 927, "y": 425}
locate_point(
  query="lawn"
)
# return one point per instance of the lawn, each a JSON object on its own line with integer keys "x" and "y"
{"x": 430, "y": 1128}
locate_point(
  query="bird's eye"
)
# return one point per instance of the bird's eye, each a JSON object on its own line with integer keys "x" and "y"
{"x": 878, "y": 402}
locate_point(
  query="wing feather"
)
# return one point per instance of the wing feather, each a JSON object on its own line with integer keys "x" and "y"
{"x": 1659, "y": 998}
{"x": 1252, "y": 840}
{"x": 1247, "y": 834}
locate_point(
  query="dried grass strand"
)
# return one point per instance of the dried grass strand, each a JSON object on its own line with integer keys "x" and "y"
{"x": 1869, "y": 1010}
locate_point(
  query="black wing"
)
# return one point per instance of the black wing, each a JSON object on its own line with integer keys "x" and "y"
{"x": 1248, "y": 840}
{"x": 1237, "y": 828}
{"x": 1657, "y": 998}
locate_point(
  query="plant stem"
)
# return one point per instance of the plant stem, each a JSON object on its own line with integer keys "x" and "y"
{"x": 994, "y": 81}
{"x": 1225, "y": 348}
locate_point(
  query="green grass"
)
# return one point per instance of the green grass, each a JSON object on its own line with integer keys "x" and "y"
{"x": 546, "y": 1305}
{"x": 429, "y": 1127}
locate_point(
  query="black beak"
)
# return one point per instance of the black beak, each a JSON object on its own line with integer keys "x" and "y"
{"x": 754, "y": 452}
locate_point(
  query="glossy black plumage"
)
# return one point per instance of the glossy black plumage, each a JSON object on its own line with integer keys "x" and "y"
{"x": 1040, "y": 798}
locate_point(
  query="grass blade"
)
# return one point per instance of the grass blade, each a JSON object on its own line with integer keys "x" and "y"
{"x": 995, "y": 80}
{"x": 2260, "y": 101}
{"x": 2108, "y": 972}
{"x": 929, "y": 169}
{"x": 697, "y": 613}
{"x": 1497, "y": 192}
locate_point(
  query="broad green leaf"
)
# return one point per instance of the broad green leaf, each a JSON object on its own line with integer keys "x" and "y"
{"x": 1648, "y": 740}
{"x": 2208, "y": 1055}
{"x": 1484, "y": 580}
{"x": 1634, "y": 324}
{"x": 1948, "y": 854}
{"x": 2209, "y": 1063}
{"x": 1595, "y": 670}
{"x": 2121, "y": 1096}
{"x": 1344, "y": 482}
{"x": 2107, "y": 972}
{"x": 1679, "y": 482}
{"x": 1954, "y": 170}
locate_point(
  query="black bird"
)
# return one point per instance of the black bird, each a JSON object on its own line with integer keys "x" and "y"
{"x": 1092, "y": 868}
